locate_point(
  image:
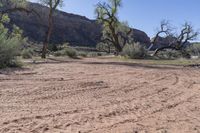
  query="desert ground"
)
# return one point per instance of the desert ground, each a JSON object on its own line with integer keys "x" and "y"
{"x": 99, "y": 96}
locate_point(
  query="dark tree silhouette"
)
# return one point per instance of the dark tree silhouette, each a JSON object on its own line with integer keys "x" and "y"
{"x": 179, "y": 41}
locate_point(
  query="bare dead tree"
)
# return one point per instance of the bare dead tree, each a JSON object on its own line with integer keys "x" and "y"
{"x": 186, "y": 35}
{"x": 165, "y": 29}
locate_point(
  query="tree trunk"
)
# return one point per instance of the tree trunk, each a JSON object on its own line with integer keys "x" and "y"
{"x": 109, "y": 49}
{"x": 116, "y": 39}
{"x": 48, "y": 34}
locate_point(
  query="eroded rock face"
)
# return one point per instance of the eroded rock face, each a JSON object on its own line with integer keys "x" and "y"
{"x": 142, "y": 37}
{"x": 75, "y": 29}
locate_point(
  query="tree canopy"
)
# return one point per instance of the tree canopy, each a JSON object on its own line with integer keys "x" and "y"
{"x": 114, "y": 32}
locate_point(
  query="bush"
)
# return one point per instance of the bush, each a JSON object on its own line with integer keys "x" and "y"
{"x": 52, "y": 47}
{"x": 174, "y": 54}
{"x": 135, "y": 51}
{"x": 194, "y": 49}
{"x": 9, "y": 49}
{"x": 67, "y": 51}
{"x": 169, "y": 54}
{"x": 105, "y": 47}
{"x": 59, "y": 53}
{"x": 27, "y": 53}
{"x": 94, "y": 54}
{"x": 70, "y": 52}
{"x": 82, "y": 54}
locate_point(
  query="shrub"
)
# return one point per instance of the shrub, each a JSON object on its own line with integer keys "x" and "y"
{"x": 135, "y": 51}
{"x": 194, "y": 49}
{"x": 82, "y": 54}
{"x": 174, "y": 54}
{"x": 67, "y": 51}
{"x": 70, "y": 52}
{"x": 9, "y": 49}
{"x": 52, "y": 47}
{"x": 58, "y": 53}
{"x": 169, "y": 54}
{"x": 105, "y": 47}
{"x": 93, "y": 54}
{"x": 27, "y": 53}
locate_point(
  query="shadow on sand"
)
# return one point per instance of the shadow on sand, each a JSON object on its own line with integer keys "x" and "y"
{"x": 136, "y": 65}
{"x": 103, "y": 62}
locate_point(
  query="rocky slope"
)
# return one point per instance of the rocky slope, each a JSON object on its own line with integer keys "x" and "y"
{"x": 75, "y": 29}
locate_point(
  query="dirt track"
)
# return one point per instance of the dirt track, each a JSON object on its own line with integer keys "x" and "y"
{"x": 100, "y": 96}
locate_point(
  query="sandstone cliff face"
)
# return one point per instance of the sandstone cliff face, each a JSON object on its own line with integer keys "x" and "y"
{"x": 75, "y": 29}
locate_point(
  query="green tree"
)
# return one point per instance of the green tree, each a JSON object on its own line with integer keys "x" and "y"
{"x": 53, "y": 5}
{"x": 114, "y": 32}
{"x": 8, "y": 6}
{"x": 9, "y": 46}
{"x": 9, "y": 40}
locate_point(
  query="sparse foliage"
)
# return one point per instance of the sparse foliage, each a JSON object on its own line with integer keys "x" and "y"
{"x": 9, "y": 6}
{"x": 9, "y": 47}
{"x": 104, "y": 47}
{"x": 66, "y": 51}
{"x": 135, "y": 51}
{"x": 53, "y": 5}
{"x": 27, "y": 53}
{"x": 179, "y": 41}
{"x": 164, "y": 30}
{"x": 114, "y": 32}
{"x": 194, "y": 50}
{"x": 10, "y": 41}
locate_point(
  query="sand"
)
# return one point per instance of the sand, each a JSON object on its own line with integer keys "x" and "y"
{"x": 100, "y": 96}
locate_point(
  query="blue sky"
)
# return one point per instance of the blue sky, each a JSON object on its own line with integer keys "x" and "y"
{"x": 144, "y": 14}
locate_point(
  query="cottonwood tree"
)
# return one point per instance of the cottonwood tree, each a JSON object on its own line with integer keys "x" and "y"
{"x": 10, "y": 39}
{"x": 53, "y": 5}
{"x": 179, "y": 41}
{"x": 9, "y": 6}
{"x": 104, "y": 47}
{"x": 114, "y": 32}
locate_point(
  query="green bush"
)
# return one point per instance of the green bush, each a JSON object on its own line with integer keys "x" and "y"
{"x": 9, "y": 48}
{"x": 93, "y": 54}
{"x": 27, "y": 53}
{"x": 82, "y": 54}
{"x": 135, "y": 51}
{"x": 52, "y": 47}
{"x": 169, "y": 54}
{"x": 105, "y": 47}
{"x": 59, "y": 53}
{"x": 174, "y": 54}
{"x": 194, "y": 49}
{"x": 70, "y": 52}
{"x": 67, "y": 51}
